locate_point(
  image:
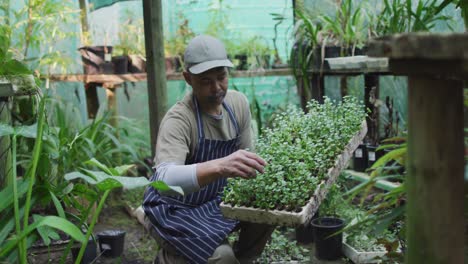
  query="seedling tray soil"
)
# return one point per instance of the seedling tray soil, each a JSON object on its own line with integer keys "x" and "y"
{"x": 292, "y": 219}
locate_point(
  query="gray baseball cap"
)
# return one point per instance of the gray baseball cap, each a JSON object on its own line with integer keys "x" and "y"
{"x": 205, "y": 52}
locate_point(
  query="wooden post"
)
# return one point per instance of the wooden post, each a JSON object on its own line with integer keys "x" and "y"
{"x": 84, "y": 18}
{"x": 435, "y": 184}
{"x": 436, "y": 65}
{"x": 156, "y": 68}
{"x": 371, "y": 95}
{"x": 317, "y": 87}
{"x": 92, "y": 100}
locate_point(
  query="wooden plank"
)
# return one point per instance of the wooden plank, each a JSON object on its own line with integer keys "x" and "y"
{"x": 285, "y": 218}
{"x": 156, "y": 66}
{"x": 138, "y": 77}
{"x": 99, "y": 78}
{"x": 363, "y": 177}
{"x": 423, "y": 45}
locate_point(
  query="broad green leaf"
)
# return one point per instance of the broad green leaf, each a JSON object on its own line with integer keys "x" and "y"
{"x": 51, "y": 221}
{"x": 6, "y": 130}
{"x": 27, "y": 131}
{"x": 15, "y": 67}
{"x": 106, "y": 182}
{"x": 392, "y": 155}
{"x": 43, "y": 231}
{"x": 58, "y": 205}
{"x": 6, "y": 195}
{"x": 123, "y": 169}
{"x": 98, "y": 164}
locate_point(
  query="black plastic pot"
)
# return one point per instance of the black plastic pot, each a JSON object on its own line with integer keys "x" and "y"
{"x": 90, "y": 253}
{"x": 120, "y": 64}
{"x": 373, "y": 155}
{"x": 111, "y": 242}
{"x": 360, "y": 158}
{"x": 242, "y": 64}
{"x": 136, "y": 64}
{"x": 96, "y": 59}
{"x": 328, "y": 247}
{"x": 305, "y": 232}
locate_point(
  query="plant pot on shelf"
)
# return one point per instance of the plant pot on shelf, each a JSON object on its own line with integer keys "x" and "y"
{"x": 120, "y": 64}
{"x": 111, "y": 242}
{"x": 241, "y": 62}
{"x": 373, "y": 154}
{"x": 305, "y": 232}
{"x": 360, "y": 158}
{"x": 136, "y": 64}
{"x": 301, "y": 51}
{"x": 328, "y": 247}
{"x": 96, "y": 59}
{"x": 90, "y": 253}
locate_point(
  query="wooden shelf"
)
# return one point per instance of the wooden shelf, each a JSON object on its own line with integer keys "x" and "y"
{"x": 113, "y": 79}
{"x": 354, "y": 65}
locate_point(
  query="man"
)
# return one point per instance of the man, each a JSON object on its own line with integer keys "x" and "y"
{"x": 203, "y": 140}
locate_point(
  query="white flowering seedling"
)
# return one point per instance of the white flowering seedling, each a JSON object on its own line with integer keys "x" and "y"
{"x": 299, "y": 149}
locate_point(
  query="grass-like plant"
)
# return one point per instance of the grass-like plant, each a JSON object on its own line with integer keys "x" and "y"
{"x": 20, "y": 197}
{"x": 299, "y": 150}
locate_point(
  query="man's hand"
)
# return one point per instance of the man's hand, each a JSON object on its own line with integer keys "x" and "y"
{"x": 241, "y": 163}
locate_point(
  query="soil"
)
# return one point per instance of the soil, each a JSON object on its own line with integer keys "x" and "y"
{"x": 139, "y": 247}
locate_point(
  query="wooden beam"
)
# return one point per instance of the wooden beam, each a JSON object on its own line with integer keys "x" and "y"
{"x": 364, "y": 177}
{"x": 156, "y": 67}
{"x": 138, "y": 77}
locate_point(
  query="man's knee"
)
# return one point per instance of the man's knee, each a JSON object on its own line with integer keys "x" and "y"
{"x": 223, "y": 255}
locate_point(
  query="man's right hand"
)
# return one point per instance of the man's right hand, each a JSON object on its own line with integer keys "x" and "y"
{"x": 241, "y": 163}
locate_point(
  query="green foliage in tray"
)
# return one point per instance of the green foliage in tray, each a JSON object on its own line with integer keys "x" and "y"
{"x": 299, "y": 148}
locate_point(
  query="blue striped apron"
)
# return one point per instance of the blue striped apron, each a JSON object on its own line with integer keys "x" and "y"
{"x": 193, "y": 224}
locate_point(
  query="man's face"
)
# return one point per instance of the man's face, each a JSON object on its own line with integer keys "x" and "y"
{"x": 209, "y": 87}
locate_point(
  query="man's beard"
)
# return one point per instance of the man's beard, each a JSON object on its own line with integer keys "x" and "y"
{"x": 218, "y": 98}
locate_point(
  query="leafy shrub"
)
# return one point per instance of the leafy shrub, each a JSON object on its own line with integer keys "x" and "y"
{"x": 299, "y": 150}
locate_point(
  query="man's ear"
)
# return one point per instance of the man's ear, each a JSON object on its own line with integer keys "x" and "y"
{"x": 187, "y": 77}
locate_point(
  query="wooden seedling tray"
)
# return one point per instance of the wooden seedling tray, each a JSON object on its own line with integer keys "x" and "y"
{"x": 286, "y": 218}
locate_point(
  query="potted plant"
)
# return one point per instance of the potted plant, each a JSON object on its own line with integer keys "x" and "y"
{"x": 96, "y": 59}
{"x": 175, "y": 46}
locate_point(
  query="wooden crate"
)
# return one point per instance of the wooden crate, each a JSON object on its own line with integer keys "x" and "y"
{"x": 285, "y": 218}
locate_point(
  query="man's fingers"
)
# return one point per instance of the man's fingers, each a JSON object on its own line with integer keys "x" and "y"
{"x": 254, "y": 156}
